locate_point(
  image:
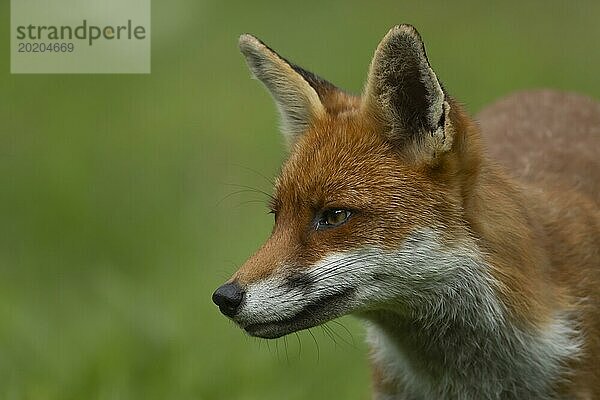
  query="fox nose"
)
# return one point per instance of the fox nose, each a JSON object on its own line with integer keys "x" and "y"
{"x": 228, "y": 297}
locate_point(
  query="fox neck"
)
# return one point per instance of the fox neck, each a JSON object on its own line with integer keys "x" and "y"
{"x": 463, "y": 357}
{"x": 458, "y": 338}
{"x": 492, "y": 330}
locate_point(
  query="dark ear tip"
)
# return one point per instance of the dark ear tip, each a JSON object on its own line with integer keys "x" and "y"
{"x": 403, "y": 31}
{"x": 408, "y": 28}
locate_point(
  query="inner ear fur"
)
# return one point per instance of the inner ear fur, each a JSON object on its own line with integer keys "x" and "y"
{"x": 404, "y": 94}
{"x": 301, "y": 96}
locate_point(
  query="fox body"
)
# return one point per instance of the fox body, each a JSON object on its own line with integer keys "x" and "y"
{"x": 475, "y": 281}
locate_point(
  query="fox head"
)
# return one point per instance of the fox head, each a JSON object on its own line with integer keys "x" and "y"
{"x": 369, "y": 206}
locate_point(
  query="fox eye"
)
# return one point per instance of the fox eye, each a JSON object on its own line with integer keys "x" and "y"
{"x": 333, "y": 218}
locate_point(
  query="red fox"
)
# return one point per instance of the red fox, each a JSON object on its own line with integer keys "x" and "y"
{"x": 475, "y": 281}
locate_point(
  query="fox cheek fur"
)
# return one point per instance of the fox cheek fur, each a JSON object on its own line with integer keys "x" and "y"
{"x": 389, "y": 208}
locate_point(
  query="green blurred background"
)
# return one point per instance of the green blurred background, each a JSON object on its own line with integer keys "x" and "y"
{"x": 119, "y": 213}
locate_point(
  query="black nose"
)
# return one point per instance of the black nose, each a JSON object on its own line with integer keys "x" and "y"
{"x": 228, "y": 297}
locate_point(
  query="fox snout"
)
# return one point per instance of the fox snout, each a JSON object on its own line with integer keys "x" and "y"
{"x": 286, "y": 297}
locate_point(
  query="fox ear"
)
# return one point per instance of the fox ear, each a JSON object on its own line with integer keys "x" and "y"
{"x": 404, "y": 93}
{"x": 296, "y": 92}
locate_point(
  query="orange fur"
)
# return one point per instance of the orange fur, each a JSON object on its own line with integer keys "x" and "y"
{"x": 539, "y": 235}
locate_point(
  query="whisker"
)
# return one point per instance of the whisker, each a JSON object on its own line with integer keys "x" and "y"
{"x": 269, "y": 180}
{"x": 235, "y": 193}
{"x": 327, "y": 331}
{"x": 334, "y": 272}
{"x": 343, "y": 339}
{"x": 252, "y": 202}
{"x": 337, "y": 263}
{"x": 299, "y": 344}
{"x": 287, "y": 357}
{"x": 316, "y": 343}
{"x": 252, "y": 189}
{"x": 341, "y": 270}
{"x": 327, "y": 269}
{"x": 336, "y": 268}
{"x": 353, "y": 343}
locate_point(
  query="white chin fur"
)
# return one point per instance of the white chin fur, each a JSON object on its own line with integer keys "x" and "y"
{"x": 410, "y": 276}
{"x": 422, "y": 300}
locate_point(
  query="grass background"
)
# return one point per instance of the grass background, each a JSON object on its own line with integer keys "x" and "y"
{"x": 117, "y": 219}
